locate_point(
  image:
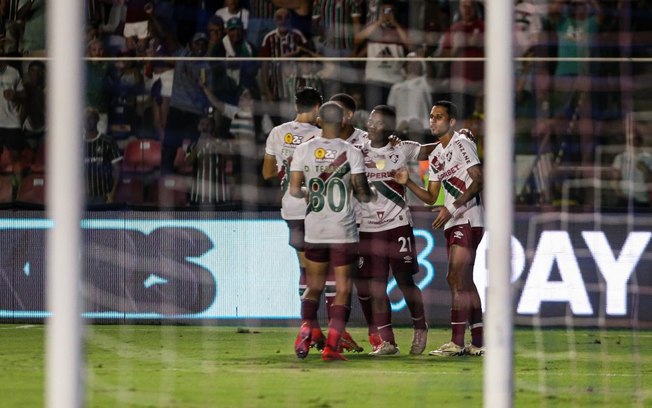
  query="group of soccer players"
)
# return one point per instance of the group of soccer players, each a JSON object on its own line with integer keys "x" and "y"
{"x": 345, "y": 206}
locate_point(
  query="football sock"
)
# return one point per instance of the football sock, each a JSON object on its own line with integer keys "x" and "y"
{"x": 458, "y": 325}
{"x": 365, "y": 305}
{"x": 477, "y": 327}
{"x": 336, "y": 326}
{"x": 309, "y": 310}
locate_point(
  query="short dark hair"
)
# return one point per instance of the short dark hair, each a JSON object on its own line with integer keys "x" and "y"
{"x": 36, "y": 63}
{"x": 451, "y": 108}
{"x": 345, "y": 100}
{"x": 389, "y": 115}
{"x": 331, "y": 113}
{"x": 307, "y": 98}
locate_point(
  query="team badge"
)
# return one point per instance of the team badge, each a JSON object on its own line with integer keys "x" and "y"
{"x": 449, "y": 156}
{"x": 393, "y": 158}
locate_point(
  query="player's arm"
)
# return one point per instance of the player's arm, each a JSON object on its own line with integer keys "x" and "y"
{"x": 269, "y": 167}
{"x": 296, "y": 181}
{"x": 428, "y": 196}
{"x": 426, "y": 149}
{"x": 361, "y": 189}
{"x": 457, "y": 208}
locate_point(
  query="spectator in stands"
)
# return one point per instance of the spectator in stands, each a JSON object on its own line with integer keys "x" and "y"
{"x": 306, "y": 74}
{"x": 384, "y": 38}
{"x": 32, "y": 12}
{"x": 233, "y": 9}
{"x": 13, "y": 94}
{"x": 335, "y": 25}
{"x": 187, "y": 103}
{"x": 300, "y": 15}
{"x": 211, "y": 161}
{"x": 633, "y": 175}
{"x": 101, "y": 161}
{"x": 261, "y": 21}
{"x": 136, "y": 28}
{"x": 281, "y": 42}
{"x": 243, "y": 73}
{"x": 33, "y": 109}
{"x": 216, "y": 32}
{"x": 99, "y": 80}
{"x": 576, "y": 24}
{"x": 129, "y": 86}
{"x": 412, "y": 97}
{"x": 464, "y": 39}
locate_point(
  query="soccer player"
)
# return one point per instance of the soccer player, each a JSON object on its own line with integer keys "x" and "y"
{"x": 281, "y": 144}
{"x": 386, "y": 235}
{"x": 332, "y": 170}
{"x": 455, "y": 164}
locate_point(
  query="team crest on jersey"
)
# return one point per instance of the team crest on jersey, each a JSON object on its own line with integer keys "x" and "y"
{"x": 291, "y": 139}
{"x": 324, "y": 154}
{"x": 394, "y": 158}
{"x": 449, "y": 156}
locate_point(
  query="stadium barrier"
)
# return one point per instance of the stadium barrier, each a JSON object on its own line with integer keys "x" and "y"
{"x": 236, "y": 267}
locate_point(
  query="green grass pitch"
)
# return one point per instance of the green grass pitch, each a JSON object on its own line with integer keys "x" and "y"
{"x": 208, "y": 366}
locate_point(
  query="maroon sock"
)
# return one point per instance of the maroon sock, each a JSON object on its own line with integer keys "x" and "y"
{"x": 365, "y": 305}
{"x": 458, "y": 325}
{"x": 384, "y": 322}
{"x": 477, "y": 327}
{"x": 336, "y": 326}
{"x": 309, "y": 310}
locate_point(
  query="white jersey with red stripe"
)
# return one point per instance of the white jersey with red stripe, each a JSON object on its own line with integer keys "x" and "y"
{"x": 389, "y": 210}
{"x": 449, "y": 166}
{"x": 281, "y": 143}
{"x": 358, "y": 137}
{"x": 327, "y": 166}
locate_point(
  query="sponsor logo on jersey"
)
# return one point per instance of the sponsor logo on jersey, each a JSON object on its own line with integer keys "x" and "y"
{"x": 458, "y": 235}
{"x": 325, "y": 154}
{"x": 380, "y": 215}
{"x": 436, "y": 164}
{"x": 291, "y": 139}
{"x": 360, "y": 262}
{"x": 407, "y": 259}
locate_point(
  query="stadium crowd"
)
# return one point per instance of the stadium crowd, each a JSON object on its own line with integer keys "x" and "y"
{"x": 190, "y": 132}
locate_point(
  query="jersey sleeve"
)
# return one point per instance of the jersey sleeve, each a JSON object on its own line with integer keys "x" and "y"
{"x": 410, "y": 149}
{"x": 468, "y": 152}
{"x": 298, "y": 158}
{"x": 356, "y": 160}
{"x": 270, "y": 147}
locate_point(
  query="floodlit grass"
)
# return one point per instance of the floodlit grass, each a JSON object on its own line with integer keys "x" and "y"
{"x": 201, "y": 366}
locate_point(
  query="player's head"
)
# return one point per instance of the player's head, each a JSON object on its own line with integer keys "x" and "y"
{"x": 331, "y": 115}
{"x": 92, "y": 117}
{"x": 306, "y": 99}
{"x": 381, "y": 123}
{"x": 347, "y": 103}
{"x": 443, "y": 117}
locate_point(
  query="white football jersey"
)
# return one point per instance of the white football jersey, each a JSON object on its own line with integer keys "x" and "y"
{"x": 327, "y": 166}
{"x": 358, "y": 137}
{"x": 281, "y": 143}
{"x": 449, "y": 166}
{"x": 389, "y": 210}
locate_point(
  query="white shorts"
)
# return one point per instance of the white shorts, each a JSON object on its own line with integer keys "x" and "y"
{"x": 167, "y": 79}
{"x": 139, "y": 29}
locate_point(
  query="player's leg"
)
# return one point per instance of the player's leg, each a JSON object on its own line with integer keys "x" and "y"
{"x": 476, "y": 347}
{"x": 403, "y": 261}
{"x": 458, "y": 241}
{"x": 316, "y": 267}
{"x": 343, "y": 258}
{"x": 363, "y": 286}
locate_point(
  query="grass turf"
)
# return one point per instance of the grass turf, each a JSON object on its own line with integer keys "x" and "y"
{"x": 205, "y": 366}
